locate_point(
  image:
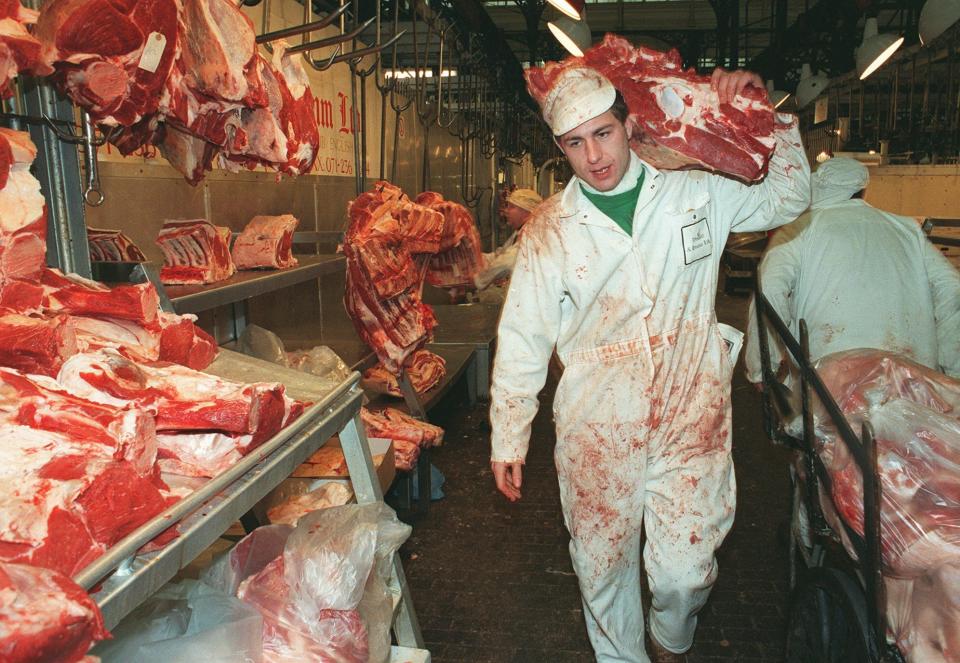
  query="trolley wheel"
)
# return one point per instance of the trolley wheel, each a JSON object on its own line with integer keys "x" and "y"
{"x": 828, "y": 620}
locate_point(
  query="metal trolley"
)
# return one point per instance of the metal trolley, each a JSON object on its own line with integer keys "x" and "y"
{"x": 838, "y": 606}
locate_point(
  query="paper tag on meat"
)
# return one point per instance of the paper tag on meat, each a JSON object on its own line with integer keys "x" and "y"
{"x": 152, "y": 52}
{"x": 732, "y": 341}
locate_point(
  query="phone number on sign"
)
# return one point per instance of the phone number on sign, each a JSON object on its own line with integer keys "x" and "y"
{"x": 335, "y": 166}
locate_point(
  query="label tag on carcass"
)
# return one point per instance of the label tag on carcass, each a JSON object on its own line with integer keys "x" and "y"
{"x": 152, "y": 52}
{"x": 697, "y": 244}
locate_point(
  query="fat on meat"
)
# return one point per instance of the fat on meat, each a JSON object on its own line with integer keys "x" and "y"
{"x": 63, "y": 502}
{"x": 681, "y": 120}
{"x": 23, "y": 243}
{"x": 20, "y": 52}
{"x": 194, "y": 252}
{"x": 40, "y": 402}
{"x": 266, "y": 242}
{"x": 45, "y": 616}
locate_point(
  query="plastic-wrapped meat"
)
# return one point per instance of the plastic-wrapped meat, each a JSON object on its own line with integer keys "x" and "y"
{"x": 917, "y": 430}
{"x": 39, "y": 402}
{"x": 112, "y": 246}
{"x": 330, "y": 494}
{"x": 681, "y": 120}
{"x": 62, "y": 502}
{"x": 266, "y": 242}
{"x": 44, "y": 616}
{"x": 194, "y": 252}
{"x": 923, "y": 615}
{"x": 424, "y": 369}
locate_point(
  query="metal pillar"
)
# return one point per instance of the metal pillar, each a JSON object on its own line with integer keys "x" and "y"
{"x": 57, "y": 166}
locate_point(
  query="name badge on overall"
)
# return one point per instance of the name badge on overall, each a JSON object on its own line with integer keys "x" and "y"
{"x": 697, "y": 244}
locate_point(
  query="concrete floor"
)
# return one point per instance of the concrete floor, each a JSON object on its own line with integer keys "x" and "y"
{"x": 492, "y": 581}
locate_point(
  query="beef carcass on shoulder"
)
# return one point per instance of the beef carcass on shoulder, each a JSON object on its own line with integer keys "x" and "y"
{"x": 44, "y": 616}
{"x": 681, "y": 122}
{"x": 112, "y": 246}
{"x": 460, "y": 255}
{"x": 266, "y": 242}
{"x": 194, "y": 252}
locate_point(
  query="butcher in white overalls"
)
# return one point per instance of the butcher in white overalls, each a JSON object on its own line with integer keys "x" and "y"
{"x": 619, "y": 273}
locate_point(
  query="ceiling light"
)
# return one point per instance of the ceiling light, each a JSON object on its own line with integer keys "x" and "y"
{"x": 574, "y": 35}
{"x": 810, "y": 87}
{"x": 935, "y": 17}
{"x": 875, "y": 49}
{"x": 777, "y": 97}
{"x": 571, "y": 8}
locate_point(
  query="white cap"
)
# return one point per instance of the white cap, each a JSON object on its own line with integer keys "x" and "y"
{"x": 836, "y": 180}
{"x": 579, "y": 94}
{"x": 527, "y": 199}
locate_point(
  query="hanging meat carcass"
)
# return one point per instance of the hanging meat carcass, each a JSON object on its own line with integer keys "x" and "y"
{"x": 424, "y": 369}
{"x": 460, "y": 255}
{"x": 20, "y": 52}
{"x": 384, "y": 275}
{"x": 681, "y": 122}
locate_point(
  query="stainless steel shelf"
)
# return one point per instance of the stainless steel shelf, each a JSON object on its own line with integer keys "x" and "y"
{"x": 250, "y": 283}
{"x": 211, "y": 510}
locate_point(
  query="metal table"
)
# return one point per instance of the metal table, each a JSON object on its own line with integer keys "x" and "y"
{"x": 204, "y": 515}
{"x": 473, "y": 325}
{"x": 250, "y": 283}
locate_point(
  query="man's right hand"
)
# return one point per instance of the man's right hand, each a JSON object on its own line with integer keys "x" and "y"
{"x": 509, "y": 477}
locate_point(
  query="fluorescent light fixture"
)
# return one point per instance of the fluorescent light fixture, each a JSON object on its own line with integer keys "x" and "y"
{"x": 777, "y": 97}
{"x": 810, "y": 87}
{"x": 875, "y": 49}
{"x": 574, "y": 35}
{"x": 571, "y": 8}
{"x": 935, "y": 17}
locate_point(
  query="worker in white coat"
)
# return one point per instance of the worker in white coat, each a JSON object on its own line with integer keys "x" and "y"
{"x": 519, "y": 205}
{"x": 860, "y": 277}
{"x": 619, "y": 273}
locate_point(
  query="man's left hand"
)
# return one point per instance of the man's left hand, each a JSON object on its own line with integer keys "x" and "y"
{"x": 728, "y": 84}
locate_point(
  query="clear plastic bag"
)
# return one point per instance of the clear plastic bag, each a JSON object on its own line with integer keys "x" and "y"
{"x": 320, "y": 361}
{"x": 923, "y": 615}
{"x": 323, "y": 597}
{"x": 184, "y": 623}
{"x": 263, "y": 344}
{"x": 917, "y": 428}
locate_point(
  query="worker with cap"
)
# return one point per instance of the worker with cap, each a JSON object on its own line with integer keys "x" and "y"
{"x": 517, "y": 209}
{"x": 619, "y": 273}
{"x": 860, "y": 277}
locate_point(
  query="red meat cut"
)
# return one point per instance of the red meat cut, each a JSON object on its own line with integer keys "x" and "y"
{"x": 424, "y": 369}
{"x": 45, "y": 617}
{"x": 409, "y": 435}
{"x": 681, "y": 120}
{"x": 35, "y": 345}
{"x": 23, "y": 224}
{"x": 62, "y": 502}
{"x": 266, "y": 242}
{"x": 38, "y": 402}
{"x": 112, "y": 246}
{"x": 460, "y": 257}
{"x": 112, "y": 58}
{"x": 20, "y": 52}
{"x": 194, "y": 252}
{"x": 387, "y": 248}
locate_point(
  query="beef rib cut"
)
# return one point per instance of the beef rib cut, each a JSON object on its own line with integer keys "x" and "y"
{"x": 194, "y": 252}
{"x": 460, "y": 257}
{"x": 266, "y": 242}
{"x": 681, "y": 120}
{"x": 424, "y": 369}
{"x": 112, "y": 246}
